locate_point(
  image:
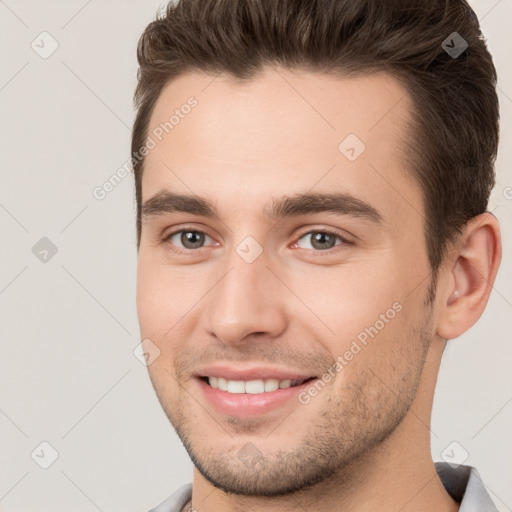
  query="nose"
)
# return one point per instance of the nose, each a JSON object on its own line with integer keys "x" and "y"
{"x": 248, "y": 300}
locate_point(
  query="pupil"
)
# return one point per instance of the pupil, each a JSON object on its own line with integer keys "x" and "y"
{"x": 191, "y": 239}
{"x": 320, "y": 239}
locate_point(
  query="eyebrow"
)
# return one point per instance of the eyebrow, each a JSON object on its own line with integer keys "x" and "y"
{"x": 288, "y": 206}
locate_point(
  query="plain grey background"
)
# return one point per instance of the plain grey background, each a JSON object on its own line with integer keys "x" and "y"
{"x": 68, "y": 373}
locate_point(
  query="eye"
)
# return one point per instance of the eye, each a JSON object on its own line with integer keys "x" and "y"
{"x": 320, "y": 240}
{"x": 189, "y": 239}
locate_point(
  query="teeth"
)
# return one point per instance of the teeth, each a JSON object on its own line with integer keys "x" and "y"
{"x": 271, "y": 385}
{"x": 252, "y": 387}
{"x": 222, "y": 384}
{"x": 236, "y": 386}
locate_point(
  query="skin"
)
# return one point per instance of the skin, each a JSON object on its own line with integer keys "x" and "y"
{"x": 363, "y": 442}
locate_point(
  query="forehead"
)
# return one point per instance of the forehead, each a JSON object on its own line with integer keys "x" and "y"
{"x": 282, "y": 132}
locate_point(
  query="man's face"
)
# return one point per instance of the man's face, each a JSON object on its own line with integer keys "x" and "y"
{"x": 247, "y": 296}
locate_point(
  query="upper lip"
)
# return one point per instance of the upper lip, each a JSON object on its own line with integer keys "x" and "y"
{"x": 231, "y": 372}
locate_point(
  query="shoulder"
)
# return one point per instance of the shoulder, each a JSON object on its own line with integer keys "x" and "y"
{"x": 175, "y": 501}
{"x": 465, "y": 486}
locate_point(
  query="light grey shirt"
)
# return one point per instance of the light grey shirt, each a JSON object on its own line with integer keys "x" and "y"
{"x": 463, "y": 484}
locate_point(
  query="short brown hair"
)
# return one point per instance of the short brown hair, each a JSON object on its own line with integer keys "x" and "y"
{"x": 454, "y": 137}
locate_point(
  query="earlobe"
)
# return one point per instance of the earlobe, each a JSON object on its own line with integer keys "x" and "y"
{"x": 470, "y": 280}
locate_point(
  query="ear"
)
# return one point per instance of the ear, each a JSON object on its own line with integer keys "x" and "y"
{"x": 467, "y": 283}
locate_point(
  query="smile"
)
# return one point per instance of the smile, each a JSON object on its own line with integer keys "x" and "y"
{"x": 252, "y": 387}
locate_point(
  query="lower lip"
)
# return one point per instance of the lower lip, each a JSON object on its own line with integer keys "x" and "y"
{"x": 246, "y": 404}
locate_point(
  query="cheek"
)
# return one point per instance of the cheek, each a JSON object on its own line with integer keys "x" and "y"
{"x": 157, "y": 298}
{"x": 146, "y": 297}
{"x": 353, "y": 303}
{"x": 391, "y": 347}
{"x": 166, "y": 298}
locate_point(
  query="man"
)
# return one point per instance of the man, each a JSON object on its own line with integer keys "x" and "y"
{"x": 312, "y": 180}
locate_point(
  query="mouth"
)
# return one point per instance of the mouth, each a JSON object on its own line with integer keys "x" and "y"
{"x": 251, "y": 394}
{"x": 254, "y": 386}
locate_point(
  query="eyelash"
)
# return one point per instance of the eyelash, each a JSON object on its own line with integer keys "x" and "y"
{"x": 315, "y": 252}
